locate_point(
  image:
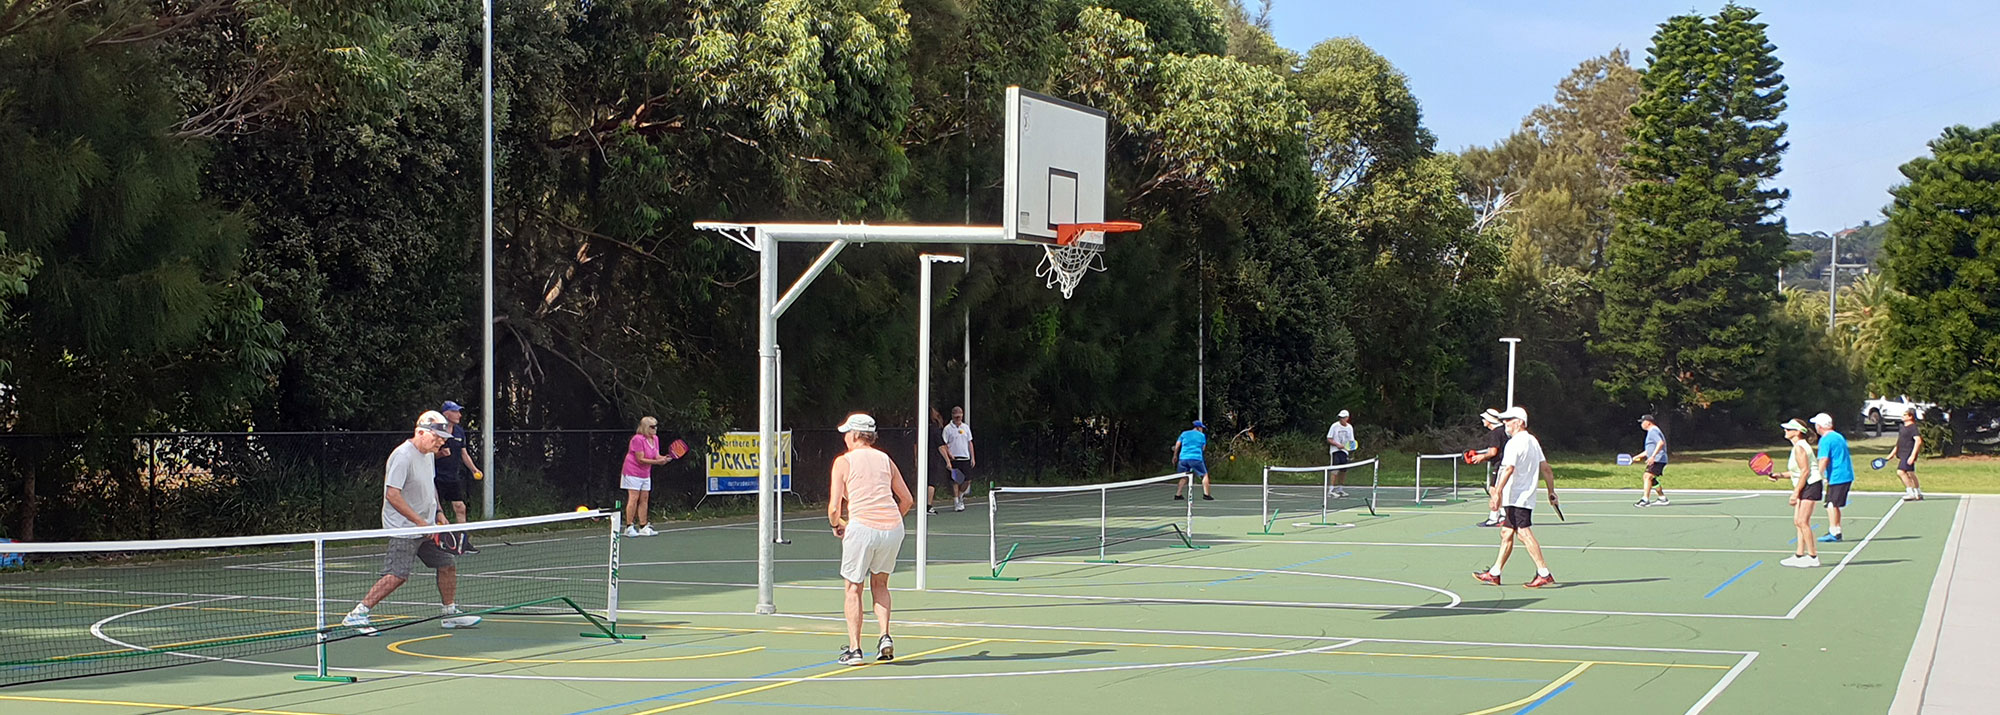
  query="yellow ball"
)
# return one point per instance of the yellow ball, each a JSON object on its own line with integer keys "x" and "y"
{"x": 1232, "y": 458}
{"x": 478, "y": 475}
{"x": 583, "y": 508}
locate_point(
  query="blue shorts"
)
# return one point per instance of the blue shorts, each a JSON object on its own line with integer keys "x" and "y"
{"x": 1195, "y": 467}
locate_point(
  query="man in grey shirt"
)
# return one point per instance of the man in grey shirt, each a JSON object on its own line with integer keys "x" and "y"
{"x": 409, "y": 500}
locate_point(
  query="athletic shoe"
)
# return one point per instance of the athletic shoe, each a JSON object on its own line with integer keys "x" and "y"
{"x": 851, "y": 656}
{"x": 1792, "y": 560}
{"x": 1540, "y": 580}
{"x": 632, "y": 531}
{"x": 1662, "y": 501}
{"x": 1911, "y": 497}
{"x": 1178, "y": 497}
{"x": 885, "y": 649}
{"x": 359, "y": 622}
{"x": 1829, "y": 538}
{"x": 1489, "y": 522}
{"x": 1207, "y": 497}
{"x": 958, "y": 505}
{"x": 469, "y": 548}
{"x": 930, "y": 509}
{"x": 1642, "y": 503}
{"x": 647, "y": 530}
{"x": 1339, "y": 492}
{"x": 1811, "y": 562}
{"x": 455, "y": 620}
{"x": 1487, "y": 576}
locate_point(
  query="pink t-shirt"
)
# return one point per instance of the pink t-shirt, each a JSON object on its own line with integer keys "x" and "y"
{"x": 641, "y": 446}
{"x": 871, "y": 498}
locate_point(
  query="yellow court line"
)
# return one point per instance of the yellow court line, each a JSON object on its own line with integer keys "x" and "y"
{"x": 761, "y": 688}
{"x": 1235, "y": 649}
{"x": 1537, "y": 695}
{"x": 397, "y": 647}
{"x": 130, "y": 704}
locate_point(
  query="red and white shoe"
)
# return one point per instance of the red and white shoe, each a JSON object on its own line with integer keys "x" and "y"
{"x": 1487, "y": 576}
{"x": 1540, "y": 580}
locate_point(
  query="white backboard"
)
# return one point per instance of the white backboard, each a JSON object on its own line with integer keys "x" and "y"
{"x": 1055, "y": 165}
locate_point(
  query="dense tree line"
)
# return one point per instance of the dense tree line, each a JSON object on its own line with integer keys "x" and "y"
{"x": 226, "y": 215}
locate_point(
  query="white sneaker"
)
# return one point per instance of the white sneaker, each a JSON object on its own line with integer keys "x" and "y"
{"x": 458, "y": 621}
{"x": 647, "y": 530}
{"x": 958, "y": 505}
{"x": 359, "y": 622}
{"x": 1662, "y": 501}
{"x": 631, "y": 531}
{"x": 1793, "y": 560}
{"x": 1642, "y": 503}
{"x": 1810, "y": 562}
{"x": 1910, "y": 497}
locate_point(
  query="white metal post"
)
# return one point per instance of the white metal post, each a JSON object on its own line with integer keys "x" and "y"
{"x": 992, "y": 531}
{"x": 1104, "y": 517}
{"x": 767, "y": 414}
{"x": 487, "y": 418}
{"x": 1832, "y": 278}
{"x": 611, "y": 582}
{"x": 1512, "y": 345}
{"x": 319, "y": 601}
{"x": 778, "y": 484}
{"x": 924, "y": 263}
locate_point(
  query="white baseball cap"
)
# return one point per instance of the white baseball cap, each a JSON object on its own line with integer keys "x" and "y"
{"x": 858, "y": 422}
{"x": 1343, "y": 413}
{"x": 435, "y": 422}
{"x": 1514, "y": 413}
{"x": 1490, "y": 415}
{"x": 1823, "y": 419}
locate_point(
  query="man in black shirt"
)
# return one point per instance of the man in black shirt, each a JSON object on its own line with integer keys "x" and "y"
{"x": 1489, "y": 454}
{"x": 1908, "y": 443}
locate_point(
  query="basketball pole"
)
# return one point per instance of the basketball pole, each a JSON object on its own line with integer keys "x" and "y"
{"x": 487, "y": 419}
{"x": 924, "y": 264}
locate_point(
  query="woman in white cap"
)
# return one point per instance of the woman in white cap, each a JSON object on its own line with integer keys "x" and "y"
{"x": 865, "y": 506}
{"x": 1808, "y": 485}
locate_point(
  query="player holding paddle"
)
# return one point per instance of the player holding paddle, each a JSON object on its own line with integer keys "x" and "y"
{"x": 1519, "y": 465}
{"x": 1808, "y": 486}
{"x": 636, "y": 477}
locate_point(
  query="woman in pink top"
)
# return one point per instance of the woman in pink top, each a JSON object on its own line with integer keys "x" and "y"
{"x": 636, "y": 477}
{"x": 869, "y": 490}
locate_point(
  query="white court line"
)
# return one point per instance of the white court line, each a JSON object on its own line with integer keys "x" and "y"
{"x": 1856, "y": 551}
{"x": 1727, "y": 678}
{"x": 1916, "y": 678}
{"x": 1486, "y": 546}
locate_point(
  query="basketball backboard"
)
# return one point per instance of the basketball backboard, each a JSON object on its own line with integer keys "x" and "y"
{"x": 1055, "y": 167}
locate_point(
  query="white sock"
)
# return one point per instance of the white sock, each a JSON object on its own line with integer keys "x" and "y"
{"x": 360, "y": 608}
{"x": 1834, "y": 530}
{"x": 1493, "y": 515}
{"x": 1495, "y": 570}
{"x": 451, "y": 608}
{"x": 1541, "y": 571}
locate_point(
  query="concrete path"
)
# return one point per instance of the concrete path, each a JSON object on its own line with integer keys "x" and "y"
{"x": 1951, "y": 670}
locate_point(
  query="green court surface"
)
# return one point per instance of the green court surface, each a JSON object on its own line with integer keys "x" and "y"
{"x": 1675, "y": 609}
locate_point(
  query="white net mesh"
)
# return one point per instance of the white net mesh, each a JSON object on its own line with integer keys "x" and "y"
{"x": 1063, "y": 266}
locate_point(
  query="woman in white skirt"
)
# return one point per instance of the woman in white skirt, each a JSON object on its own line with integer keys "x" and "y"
{"x": 866, "y": 506}
{"x": 635, "y": 476}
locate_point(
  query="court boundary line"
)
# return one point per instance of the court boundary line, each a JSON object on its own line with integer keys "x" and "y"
{"x": 1842, "y": 566}
{"x": 1721, "y": 685}
{"x": 1914, "y": 685}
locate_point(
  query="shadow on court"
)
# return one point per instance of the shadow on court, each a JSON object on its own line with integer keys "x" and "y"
{"x": 1490, "y": 607}
{"x": 1611, "y": 582}
{"x": 987, "y": 656}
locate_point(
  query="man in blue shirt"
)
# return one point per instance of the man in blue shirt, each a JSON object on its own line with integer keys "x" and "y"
{"x": 1189, "y": 448}
{"x": 1655, "y": 459}
{"x": 1838, "y": 466}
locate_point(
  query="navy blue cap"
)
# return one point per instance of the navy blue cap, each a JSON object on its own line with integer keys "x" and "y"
{"x": 1198, "y": 423}
{"x": 450, "y": 406}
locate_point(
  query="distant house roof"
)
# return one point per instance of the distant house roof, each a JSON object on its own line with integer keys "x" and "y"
{"x": 1844, "y": 233}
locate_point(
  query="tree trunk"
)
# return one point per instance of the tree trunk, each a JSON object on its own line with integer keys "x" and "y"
{"x": 1960, "y": 423}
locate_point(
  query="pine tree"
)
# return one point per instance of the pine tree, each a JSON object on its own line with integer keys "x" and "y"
{"x": 1697, "y": 243}
{"x": 1942, "y": 341}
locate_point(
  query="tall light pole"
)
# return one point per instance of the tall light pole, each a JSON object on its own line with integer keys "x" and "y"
{"x": 487, "y": 418}
{"x": 1832, "y": 277}
{"x": 1512, "y": 345}
{"x": 923, "y": 404}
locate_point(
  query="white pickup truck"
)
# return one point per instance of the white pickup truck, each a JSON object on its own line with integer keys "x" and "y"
{"x": 1883, "y": 412}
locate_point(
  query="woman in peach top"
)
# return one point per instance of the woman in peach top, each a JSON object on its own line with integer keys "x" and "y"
{"x": 866, "y": 505}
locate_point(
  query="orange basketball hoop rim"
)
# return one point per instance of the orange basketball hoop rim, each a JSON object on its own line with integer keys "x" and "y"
{"x": 1068, "y": 233}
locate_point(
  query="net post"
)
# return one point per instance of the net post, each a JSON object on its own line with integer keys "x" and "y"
{"x": 999, "y": 565}
{"x": 1103, "y": 519}
{"x": 1419, "y": 497}
{"x": 1375, "y": 489}
{"x": 1264, "y": 509}
{"x": 1454, "y": 478}
{"x": 1190, "y": 502}
{"x": 319, "y": 674}
{"x": 1326, "y": 492}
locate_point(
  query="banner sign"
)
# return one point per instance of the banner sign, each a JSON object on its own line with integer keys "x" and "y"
{"x": 732, "y": 463}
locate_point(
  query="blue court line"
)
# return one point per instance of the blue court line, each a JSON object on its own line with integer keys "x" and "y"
{"x": 1538, "y": 701}
{"x": 711, "y": 686}
{"x": 1732, "y": 579}
{"x": 1282, "y": 568}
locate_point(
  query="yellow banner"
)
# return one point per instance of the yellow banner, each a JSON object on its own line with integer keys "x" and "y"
{"x": 732, "y": 462}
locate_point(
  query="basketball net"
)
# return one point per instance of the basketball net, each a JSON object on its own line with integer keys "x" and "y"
{"x": 1079, "y": 249}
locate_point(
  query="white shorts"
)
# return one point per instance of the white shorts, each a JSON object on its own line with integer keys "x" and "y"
{"x": 865, "y": 551}
{"x": 643, "y": 484}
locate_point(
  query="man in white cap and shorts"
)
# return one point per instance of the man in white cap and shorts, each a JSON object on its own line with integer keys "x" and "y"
{"x": 1515, "y": 497}
{"x": 1837, "y": 463}
{"x": 1340, "y": 446}
{"x": 409, "y": 500}
{"x": 866, "y": 504}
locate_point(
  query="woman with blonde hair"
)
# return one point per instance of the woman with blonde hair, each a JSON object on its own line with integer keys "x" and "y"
{"x": 636, "y": 477}
{"x": 1808, "y": 486}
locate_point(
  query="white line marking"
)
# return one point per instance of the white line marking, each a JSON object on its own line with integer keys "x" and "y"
{"x": 1727, "y": 678}
{"x": 1856, "y": 551}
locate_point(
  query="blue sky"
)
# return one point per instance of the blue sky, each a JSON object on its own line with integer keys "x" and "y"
{"x": 1871, "y": 82}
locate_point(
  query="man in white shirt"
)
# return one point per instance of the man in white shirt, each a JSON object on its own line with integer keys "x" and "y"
{"x": 410, "y": 500}
{"x": 1340, "y": 446}
{"x": 957, "y": 451}
{"x": 1515, "y": 497}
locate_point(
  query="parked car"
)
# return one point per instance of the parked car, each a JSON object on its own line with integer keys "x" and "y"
{"x": 1883, "y": 412}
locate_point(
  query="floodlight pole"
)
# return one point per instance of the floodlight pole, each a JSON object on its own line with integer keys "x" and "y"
{"x": 1832, "y": 278}
{"x": 487, "y": 416}
{"x": 1512, "y": 345}
{"x": 767, "y": 413}
{"x": 923, "y": 404}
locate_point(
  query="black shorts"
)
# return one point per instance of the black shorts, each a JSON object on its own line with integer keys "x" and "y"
{"x": 941, "y": 474}
{"x": 1910, "y": 467}
{"x": 1836, "y": 494}
{"x": 1492, "y": 473}
{"x": 1338, "y": 457}
{"x": 1813, "y": 492}
{"x": 1656, "y": 469}
{"x": 963, "y": 467}
{"x": 1514, "y": 517}
{"x": 449, "y": 488}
